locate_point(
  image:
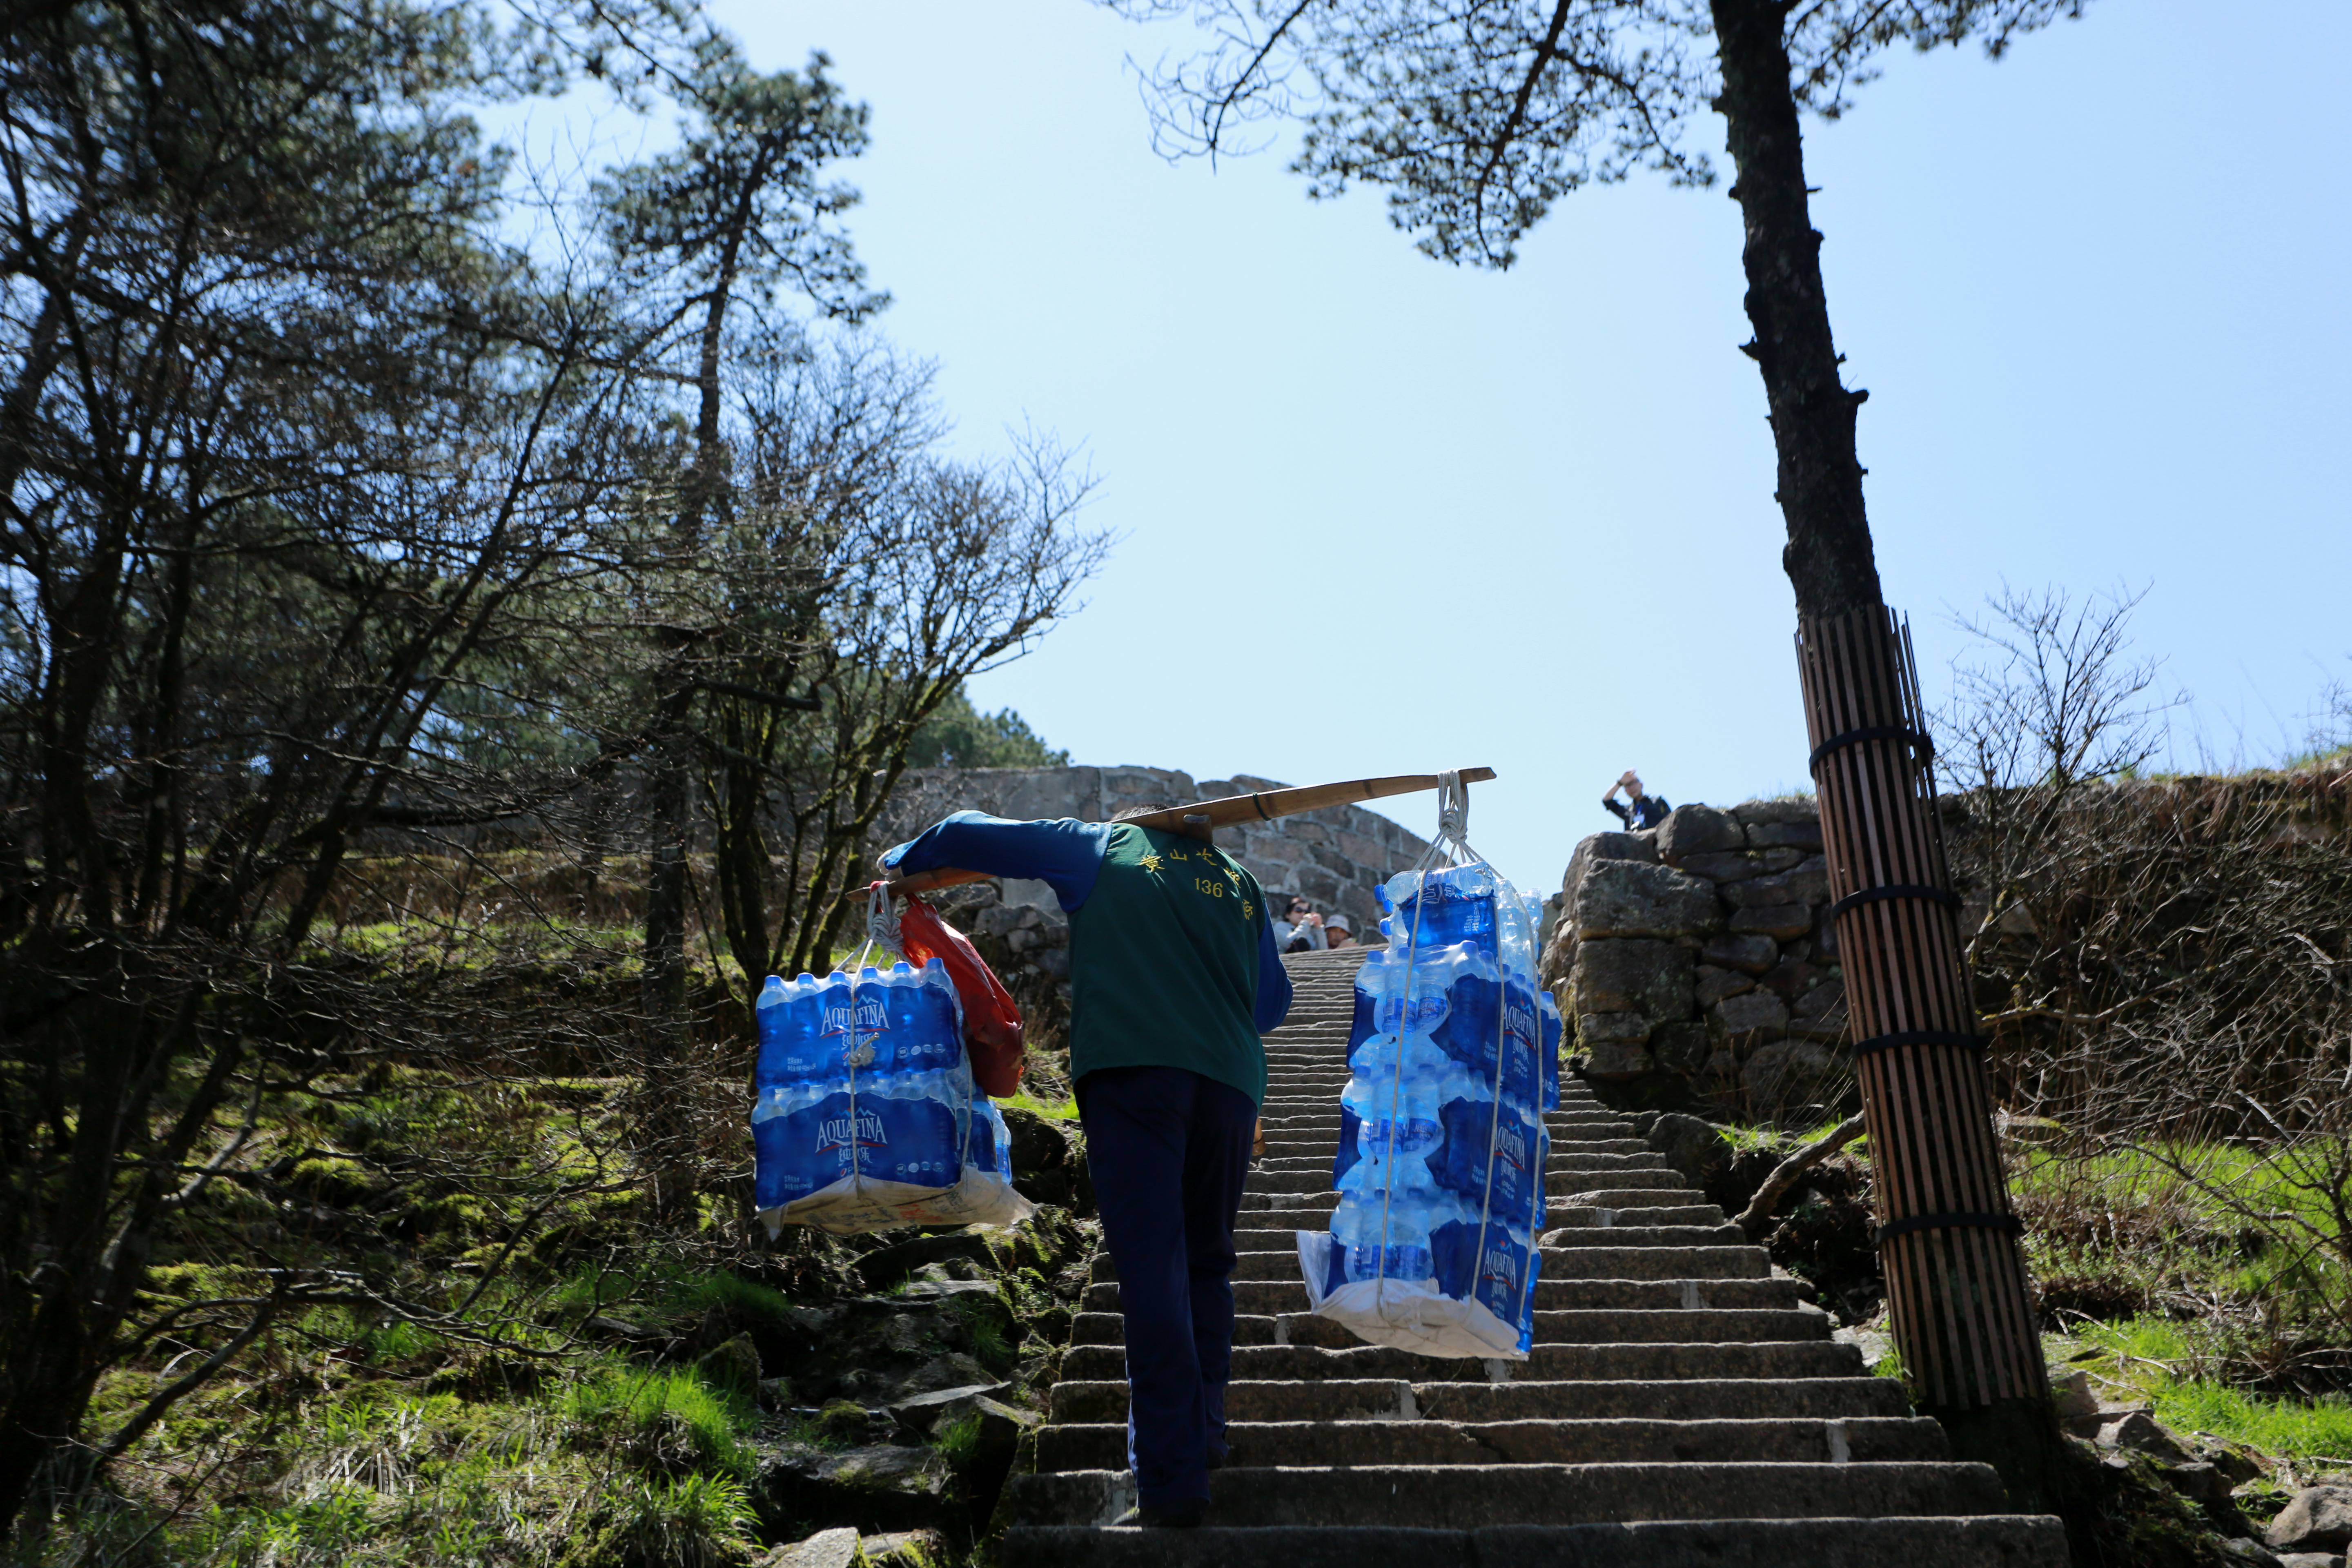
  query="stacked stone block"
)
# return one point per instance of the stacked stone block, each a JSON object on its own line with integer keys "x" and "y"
{"x": 1697, "y": 961}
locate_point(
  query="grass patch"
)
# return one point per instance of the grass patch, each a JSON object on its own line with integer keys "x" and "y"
{"x": 1052, "y": 1110}
{"x": 2321, "y": 1429}
{"x": 959, "y": 1440}
{"x": 2175, "y": 1230}
{"x": 669, "y": 1416}
{"x": 693, "y": 1521}
{"x": 2159, "y": 1361}
{"x": 665, "y": 1294}
{"x": 1746, "y": 1139}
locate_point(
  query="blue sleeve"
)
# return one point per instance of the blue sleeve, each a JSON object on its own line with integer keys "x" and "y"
{"x": 1065, "y": 854}
{"x": 1273, "y": 982}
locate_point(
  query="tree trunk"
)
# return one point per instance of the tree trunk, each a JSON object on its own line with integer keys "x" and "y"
{"x": 670, "y": 1182}
{"x": 1957, "y": 1293}
{"x": 670, "y": 787}
{"x": 1828, "y": 556}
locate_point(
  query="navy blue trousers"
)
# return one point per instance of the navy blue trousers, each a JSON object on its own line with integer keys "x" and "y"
{"x": 1168, "y": 1151}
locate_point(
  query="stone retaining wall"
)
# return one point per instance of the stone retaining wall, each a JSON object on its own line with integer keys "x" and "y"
{"x": 1697, "y": 963}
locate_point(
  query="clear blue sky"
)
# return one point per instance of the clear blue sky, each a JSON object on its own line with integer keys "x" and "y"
{"x": 1380, "y": 514}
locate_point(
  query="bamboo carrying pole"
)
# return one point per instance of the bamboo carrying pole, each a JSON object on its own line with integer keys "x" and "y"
{"x": 1948, "y": 1239}
{"x": 1226, "y": 810}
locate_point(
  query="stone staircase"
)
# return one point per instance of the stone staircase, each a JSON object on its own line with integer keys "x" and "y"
{"x": 1682, "y": 1406}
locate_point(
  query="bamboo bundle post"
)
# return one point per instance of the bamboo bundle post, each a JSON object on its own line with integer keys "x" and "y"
{"x": 1947, "y": 1238}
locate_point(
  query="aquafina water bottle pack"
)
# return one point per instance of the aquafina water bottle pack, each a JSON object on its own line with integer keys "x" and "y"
{"x": 1453, "y": 1056}
{"x": 865, "y": 1114}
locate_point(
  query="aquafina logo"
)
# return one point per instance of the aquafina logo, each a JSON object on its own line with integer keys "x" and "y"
{"x": 839, "y": 1132}
{"x": 870, "y": 1018}
{"x": 1501, "y": 1267}
{"x": 1511, "y": 1146}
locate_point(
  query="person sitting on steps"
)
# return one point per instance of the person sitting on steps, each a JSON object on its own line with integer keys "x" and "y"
{"x": 1338, "y": 933}
{"x": 1300, "y": 928}
{"x": 1174, "y": 976}
{"x": 1640, "y": 809}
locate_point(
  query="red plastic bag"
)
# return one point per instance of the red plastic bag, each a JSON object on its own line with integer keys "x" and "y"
{"x": 991, "y": 1022}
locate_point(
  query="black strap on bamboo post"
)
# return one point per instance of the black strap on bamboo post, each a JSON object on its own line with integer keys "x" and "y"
{"x": 1922, "y": 743}
{"x": 1918, "y": 1222}
{"x": 1919, "y": 1037}
{"x": 1943, "y": 896}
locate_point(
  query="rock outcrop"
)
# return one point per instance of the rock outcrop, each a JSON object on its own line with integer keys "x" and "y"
{"x": 1698, "y": 965}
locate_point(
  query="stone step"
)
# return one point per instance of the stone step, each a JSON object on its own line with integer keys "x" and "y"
{"x": 1604, "y": 1148}
{"x": 1597, "y": 1262}
{"x": 1855, "y": 1440}
{"x": 1565, "y": 1171}
{"x": 1721, "y": 1234}
{"x": 1681, "y": 1406}
{"x": 1678, "y": 1399}
{"x": 1567, "y": 1184}
{"x": 1276, "y": 1230}
{"x": 1630, "y": 1198}
{"x": 1545, "y": 1364}
{"x": 1617, "y": 1326}
{"x": 1981, "y": 1540}
{"x": 1615, "y": 1189}
{"x": 1468, "y": 1496}
{"x": 1573, "y": 1157}
{"x": 1320, "y": 1117}
{"x": 1551, "y": 1295}
{"x": 1270, "y": 1202}
{"x": 1573, "y": 1216}
{"x": 1376, "y": 1399}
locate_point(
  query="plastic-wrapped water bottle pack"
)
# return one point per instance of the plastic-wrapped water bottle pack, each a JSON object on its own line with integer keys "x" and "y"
{"x": 1455, "y": 1057}
{"x": 865, "y": 1114}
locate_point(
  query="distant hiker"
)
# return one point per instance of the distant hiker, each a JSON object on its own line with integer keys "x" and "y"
{"x": 1639, "y": 809}
{"x": 1338, "y": 933}
{"x": 1174, "y": 976}
{"x": 1300, "y": 928}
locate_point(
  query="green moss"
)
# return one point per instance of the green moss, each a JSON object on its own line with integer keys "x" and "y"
{"x": 839, "y": 1423}
{"x": 334, "y": 1179}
